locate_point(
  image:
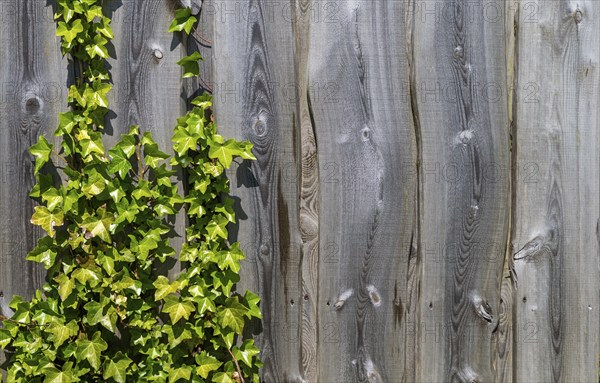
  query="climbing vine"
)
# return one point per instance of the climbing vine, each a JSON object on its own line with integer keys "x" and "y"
{"x": 105, "y": 311}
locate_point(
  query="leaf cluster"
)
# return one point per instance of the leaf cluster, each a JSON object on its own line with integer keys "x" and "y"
{"x": 105, "y": 312}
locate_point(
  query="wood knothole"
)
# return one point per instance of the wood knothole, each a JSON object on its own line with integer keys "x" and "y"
{"x": 32, "y": 105}
{"x": 578, "y": 16}
{"x": 458, "y": 52}
{"x": 264, "y": 249}
{"x": 260, "y": 128}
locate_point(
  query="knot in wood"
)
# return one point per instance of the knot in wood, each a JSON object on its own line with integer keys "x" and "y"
{"x": 458, "y": 52}
{"x": 374, "y": 296}
{"x": 578, "y": 16}
{"x": 365, "y": 133}
{"x": 260, "y": 128}
{"x": 465, "y": 136}
{"x": 32, "y": 104}
{"x": 158, "y": 54}
{"x": 264, "y": 249}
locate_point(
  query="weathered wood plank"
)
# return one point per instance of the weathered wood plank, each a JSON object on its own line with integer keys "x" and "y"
{"x": 555, "y": 237}
{"x": 460, "y": 91}
{"x": 366, "y": 150}
{"x": 503, "y": 337}
{"x": 309, "y": 219}
{"x": 253, "y": 51}
{"x": 33, "y": 77}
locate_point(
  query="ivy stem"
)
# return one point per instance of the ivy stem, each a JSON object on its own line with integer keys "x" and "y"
{"x": 237, "y": 365}
{"x": 199, "y": 35}
{"x": 139, "y": 161}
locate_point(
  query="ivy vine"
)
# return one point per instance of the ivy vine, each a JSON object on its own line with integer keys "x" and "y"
{"x": 105, "y": 313}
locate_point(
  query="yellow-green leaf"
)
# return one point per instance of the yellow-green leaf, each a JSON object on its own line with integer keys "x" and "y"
{"x": 47, "y": 219}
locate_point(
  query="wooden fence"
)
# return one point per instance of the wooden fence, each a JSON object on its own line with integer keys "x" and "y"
{"x": 425, "y": 205}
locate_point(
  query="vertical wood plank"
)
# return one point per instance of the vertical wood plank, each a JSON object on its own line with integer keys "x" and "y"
{"x": 503, "y": 336}
{"x": 460, "y": 90}
{"x": 556, "y": 190}
{"x": 358, "y": 75}
{"x": 309, "y": 219}
{"x": 253, "y": 51}
{"x": 33, "y": 78}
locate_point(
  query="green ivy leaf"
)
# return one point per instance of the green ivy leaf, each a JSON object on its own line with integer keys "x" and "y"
{"x": 246, "y": 352}
{"x": 105, "y": 28}
{"x": 153, "y": 155}
{"x": 222, "y": 377}
{"x": 206, "y": 364}
{"x": 225, "y": 153}
{"x": 41, "y": 150}
{"x": 53, "y": 198}
{"x": 95, "y": 185}
{"x": 66, "y": 122}
{"x": 252, "y": 301}
{"x": 43, "y": 253}
{"x": 98, "y": 95}
{"x": 127, "y": 143}
{"x": 217, "y": 228}
{"x": 91, "y": 350}
{"x": 232, "y": 315}
{"x": 227, "y": 209}
{"x": 5, "y": 338}
{"x": 184, "y": 141}
{"x": 204, "y": 101}
{"x": 101, "y": 313}
{"x": 60, "y": 333}
{"x": 47, "y": 219}
{"x": 116, "y": 368}
{"x": 229, "y": 259}
{"x": 92, "y": 12}
{"x": 177, "y": 334}
{"x": 225, "y": 280}
{"x": 99, "y": 225}
{"x": 183, "y": 372}
{"x": 98, "y": 48}
{"x": 85, "y": 275}
{"x": 69, "y": 32}
{"x": 163, "y": 287}
{"x": 205, "y": 304}
{"x": 190, "y": 64}
{"x": 54, "y": 375}
{"x": 119, "y": 162}
{"x": 184, "y": 21}
{"x": 91, "y": 143}
{"x": 177, "y": 309}
{"x": 65, "y": 286}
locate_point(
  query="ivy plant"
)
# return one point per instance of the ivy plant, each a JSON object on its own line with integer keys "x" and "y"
{"x": 105, "y": 312}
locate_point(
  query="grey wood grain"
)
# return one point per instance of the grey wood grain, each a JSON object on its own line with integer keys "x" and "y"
{"x": 458, "y": 57}
{"x": 33, "y": 77}
{"x": 309, "y": 218}
{"x": 556, "y": 192}
{"x": 366, "y": 152}
{"x": 253, "y": 51}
